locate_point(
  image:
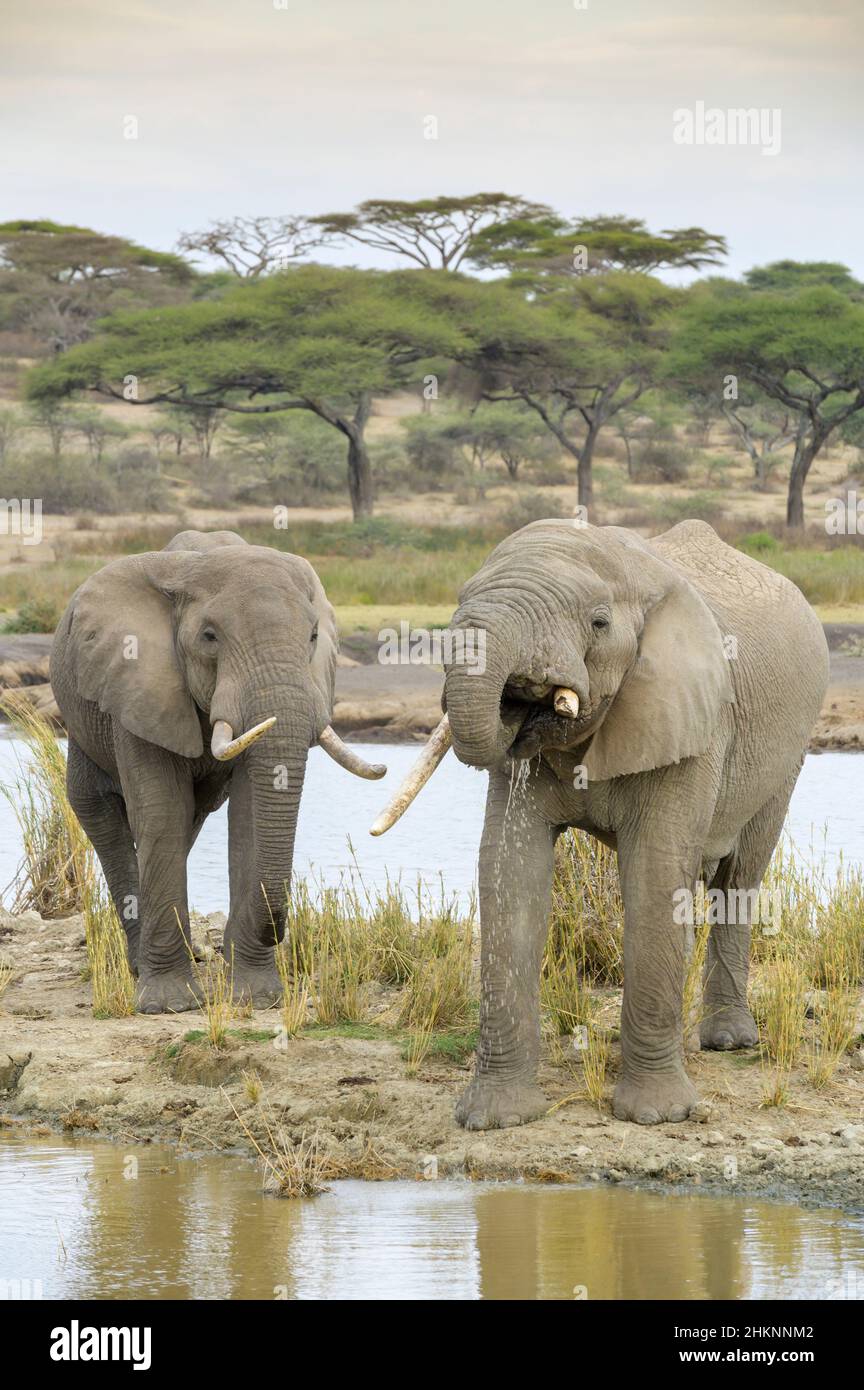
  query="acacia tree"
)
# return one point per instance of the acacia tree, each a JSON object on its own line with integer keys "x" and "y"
{"x": 56, "y": 281}
{"x": 539, "y": 247}
{"x": 433, "y": 233}
{"x": 594, "y": 349}
{"x": 609, "y": 318}
{"x": 802, "y": 350}
{"x": 253, "y": 246}
{"x": 316, "y": 339}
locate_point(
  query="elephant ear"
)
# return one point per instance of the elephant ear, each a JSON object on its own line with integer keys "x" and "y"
{"x": 323, "y": 666}
{"x": 122, "y": 640}
{"x": 668, "y": 705}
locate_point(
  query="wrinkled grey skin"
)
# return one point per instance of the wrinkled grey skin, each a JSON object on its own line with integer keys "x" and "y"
{"x": 151, "y": 651}
{"x": 700, "y": 674}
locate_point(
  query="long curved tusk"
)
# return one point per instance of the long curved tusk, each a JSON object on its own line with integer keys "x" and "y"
{"x": 566, "y": 702}
{"x": 347, "y": 758}
{"x": 439, "y": 741}
{"x": 223, "y": 744}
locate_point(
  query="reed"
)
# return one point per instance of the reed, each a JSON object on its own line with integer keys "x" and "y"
{"x": 113, "y": 986}
{"x": 290, "y": 1168}
{"x": 58, "y": 860}
{"x": 587, "y": 908}
{"x": 214, "y": 980}
{"x": 779, "y": 1002}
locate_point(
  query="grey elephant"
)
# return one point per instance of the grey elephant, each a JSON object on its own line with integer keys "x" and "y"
{"x": 185, "y": 676}
{"x": 659, "y": 695}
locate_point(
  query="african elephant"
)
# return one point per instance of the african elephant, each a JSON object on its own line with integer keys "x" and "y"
{"x": 658, "y": 695}
{"x": 156, "y": 663}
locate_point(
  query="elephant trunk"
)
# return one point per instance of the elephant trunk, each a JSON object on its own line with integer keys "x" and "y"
{"x": 482, "y": 723}
{"x": 267, "y": 784}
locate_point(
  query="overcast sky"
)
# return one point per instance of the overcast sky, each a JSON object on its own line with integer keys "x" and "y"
{"x": 243, "y": 107}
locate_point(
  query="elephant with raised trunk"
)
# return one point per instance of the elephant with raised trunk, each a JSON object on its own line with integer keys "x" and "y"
{"x": 185, "y": 676}
{"x": 658, "y": 695}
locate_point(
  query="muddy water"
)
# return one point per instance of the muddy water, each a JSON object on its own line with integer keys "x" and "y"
{"x": 89, "y": 1220}
{"x": 439, "y": 837}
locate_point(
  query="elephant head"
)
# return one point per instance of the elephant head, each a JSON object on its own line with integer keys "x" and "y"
{"x": 216, "y": 642}
{"x": 592, "y": 642}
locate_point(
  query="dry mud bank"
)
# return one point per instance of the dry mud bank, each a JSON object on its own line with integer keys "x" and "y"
{"x": 144, "y": 1078}
{"x": 402, "y": 704}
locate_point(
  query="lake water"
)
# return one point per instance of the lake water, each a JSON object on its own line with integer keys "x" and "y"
{"x": 89, "y": 1220}
{"x": 438, "y": 839}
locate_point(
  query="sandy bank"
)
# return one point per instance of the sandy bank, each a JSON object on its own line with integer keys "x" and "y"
{"x": 143, "y": 1078}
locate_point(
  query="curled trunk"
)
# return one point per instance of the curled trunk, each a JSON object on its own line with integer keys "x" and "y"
{"x": 482, "y": 731}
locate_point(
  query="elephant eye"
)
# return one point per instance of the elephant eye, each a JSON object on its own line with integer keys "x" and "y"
{"x": 209, "y": 634}
{"x": 314, "y": 636}
{"x": 599, "y": 624}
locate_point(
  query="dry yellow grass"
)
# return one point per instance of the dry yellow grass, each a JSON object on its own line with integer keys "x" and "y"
{"x": 290, "y": 1168}
{"x": 111, "y": 979}
{"x": 58, "y": 860}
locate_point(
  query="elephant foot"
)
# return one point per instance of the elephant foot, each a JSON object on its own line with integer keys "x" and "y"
{"x": 167, "y": 993}
{"x": 652, "y": 1098}
{"x": 486, "y": 1104}
{"x": 728, "y": 1028}
{"x": 259, "y": 983}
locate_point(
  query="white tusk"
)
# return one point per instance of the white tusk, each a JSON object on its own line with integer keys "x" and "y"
{"x": 223, "y": 744}
{"x": 347, "y": 758}
{"x": 439, "y": 741}
{"x": 566, "y": 702}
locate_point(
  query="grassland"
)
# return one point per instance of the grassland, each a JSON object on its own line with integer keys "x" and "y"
{"x": 386, "y": 571}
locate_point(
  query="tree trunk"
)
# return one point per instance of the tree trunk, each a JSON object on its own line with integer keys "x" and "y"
{"x": 360, "y": 477}
{"x": 807, "y": 446}
{"x": 585, "y": 470}
{"x": 359, "y": 465}
{"x": 629, "y": 452}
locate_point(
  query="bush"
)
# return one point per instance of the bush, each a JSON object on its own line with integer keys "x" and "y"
{"x": 758, "y": 542}
{"x": 65, "y": 485}
{"x": 36, "y": 615}
{"x": 531, "y": 506}
{"x": 698, "y": 506}
{"x": 433, "y": 457}
{"x": 663, "y": 459}
{"x": 551, "y": 474}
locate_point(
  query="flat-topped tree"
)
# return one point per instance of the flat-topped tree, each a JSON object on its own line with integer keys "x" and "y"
{"x": 552, "y": 246}
{"x": 595, "y": 274}
{"x": 57, "y": 280}
{"x": 594, "y": 348}
{"x": 801, "y": 275}
{"x": 433, "y": 233}
{"x": 802, "y": 349}
{"x": 314, "y": 338}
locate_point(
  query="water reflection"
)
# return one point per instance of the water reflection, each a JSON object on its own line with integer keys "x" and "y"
{"x": 91, "y": 1220}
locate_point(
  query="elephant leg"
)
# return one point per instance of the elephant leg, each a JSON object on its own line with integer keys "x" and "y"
{"x": 102, "y": 813}
{"x": 727, "y": 1022}
{"x": 516, "y": 867}
{"x": 254, "y": 925}
{"x": 659, "y": 855}
{"x": 160, "y": 803}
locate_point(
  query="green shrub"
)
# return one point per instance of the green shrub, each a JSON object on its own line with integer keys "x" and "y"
{"x": 665, "y": 459}
{"x": 531, "y": 506}
{"x": 36, "y": 615}
{"x": 758, "y": 543}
